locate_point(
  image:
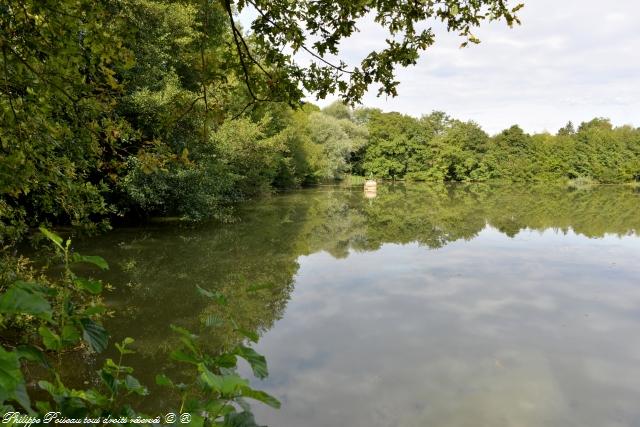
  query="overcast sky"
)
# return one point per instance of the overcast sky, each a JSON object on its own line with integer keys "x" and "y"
{"x": 569, "y": 60}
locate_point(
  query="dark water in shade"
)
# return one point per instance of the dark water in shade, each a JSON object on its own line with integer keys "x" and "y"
{"x": 425, "y": 306}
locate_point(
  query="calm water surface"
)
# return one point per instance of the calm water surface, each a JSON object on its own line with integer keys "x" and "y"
{"x": 424, "y": 306}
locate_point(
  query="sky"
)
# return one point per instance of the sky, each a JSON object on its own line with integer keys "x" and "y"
{"x": 569, "y": 60}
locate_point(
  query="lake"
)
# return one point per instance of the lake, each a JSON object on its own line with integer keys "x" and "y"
{"x": 426, "y": 305}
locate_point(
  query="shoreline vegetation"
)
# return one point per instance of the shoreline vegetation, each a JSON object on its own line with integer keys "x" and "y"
{"x": 60, "y": 314}
{"x": 119, "y": 111}
{"x": 286, "y": 148}
{"x": 355, "y": 180}
{"x": 147, "y": 108}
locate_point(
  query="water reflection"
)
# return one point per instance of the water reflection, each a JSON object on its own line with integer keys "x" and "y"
{"x": 525, "y": 315}
{"x": 535, "y": 330}
{"x": 370, "y": 189}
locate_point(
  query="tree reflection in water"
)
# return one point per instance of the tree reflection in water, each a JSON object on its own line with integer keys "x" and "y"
{"x": 253, "y": 261}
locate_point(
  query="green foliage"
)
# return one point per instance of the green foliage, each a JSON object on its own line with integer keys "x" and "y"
{"x": 319, "y": 28}
{"x": 438, "y": 148}
{"x": 216, "y": 385}
{"x": 192, "y": 190}
{"x": 250, "y": 157}
{"x": 12, "y": 383}
{"x": 52, "y": 316}
{"x": 394, "y": 140}
{"x": 57, "y": 120}
{"x": 338, "y": 140}
{"x": 64, "y": 314}
{"x": 110, "y": 109}
{"x": 338, "y": 110}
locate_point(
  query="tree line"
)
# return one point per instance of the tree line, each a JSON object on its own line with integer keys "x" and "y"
{"x": 279, "y": 147}
{"x": 142, "y": 107}
{"x": 139, "y": 108}
{"x": 436, "y": 147}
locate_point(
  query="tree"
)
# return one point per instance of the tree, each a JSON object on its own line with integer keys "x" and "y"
{"x": 89, "y": 90}
{"x": 59, "y": 131}
{"x": 457, "y": 152}
{"x": 338, "y": 110}
{"x": 339, "y": 139}
{"x": 393, "y": 138}
{"x": 316, "y": 28}
{"x": 568, "y": 129}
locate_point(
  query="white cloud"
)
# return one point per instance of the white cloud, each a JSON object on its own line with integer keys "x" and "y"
{"x": 569, "y": 60}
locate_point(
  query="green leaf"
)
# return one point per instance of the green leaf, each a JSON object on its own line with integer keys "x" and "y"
{"x": 261, "y": 396}
{"x": 32, "y": 354}
{"x": 70, "y": 334}
{"x": 181, "y": 356}
{"x": 12, "y": 385}
{"x": 43, "y": 407}
{"x": 48, "y": 387}
{"x": 216, "y": 296}
{"x": 91, "y": 259}
{"x": 133, "y": 385}
{"x": 22, "y": 397}
{"x": 212, "y": 320}
{"x": 96, "y": 309}
{"x": 109, "y": 380}
{"x": 219, "y": 406}
{"x": 227, "y": 360}
{"x": 186, "y": 337}
{"x": 183, "y": 332}
{"x": 25, "y": 298}
{"x": 163, "y": 380}
{"x": 113, "y": 368}
{"x": 232, "y": 383}
{"x": 123, "y": 350}
{"x": 250, "y": 335}
{"x": 210, "y": 379}
{"x": 95, "y": 398}
{"x": 50, "y": 339}
{"x": 256, "y": 360}
{"x": 122, "y": 347}
{"x": 94, "y": 334}
{"x": 92, "y": 286}
{"x": 52, "y": 236}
